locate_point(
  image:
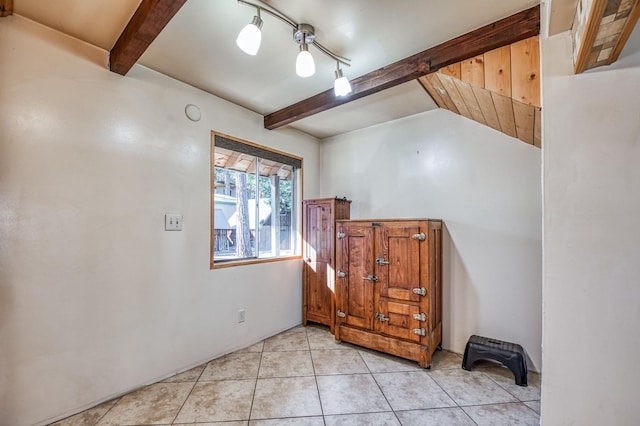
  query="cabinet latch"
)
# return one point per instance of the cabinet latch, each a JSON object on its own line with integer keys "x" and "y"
{"x": 421, "y": 291}
{"x": 341, "y": 274}
{"x": 382, "y": 261}
{"x": 420, "y": 331}
{"x": 341, "y": 235}
{"x": 420, "y": 317}
{"x": 380, "y": 317}
{"x": 371, "y": 278}
{"x": 419, "y": 237}
{"x": 340, "y": 314}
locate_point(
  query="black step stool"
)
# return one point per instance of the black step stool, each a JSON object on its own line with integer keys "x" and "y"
{"x": 509, "y": 354}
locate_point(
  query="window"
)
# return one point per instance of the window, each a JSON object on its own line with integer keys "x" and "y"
{"x": 254, "y": 204}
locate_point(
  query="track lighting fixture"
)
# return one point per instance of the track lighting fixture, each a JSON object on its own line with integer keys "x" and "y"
{"x": 303, "y": 34}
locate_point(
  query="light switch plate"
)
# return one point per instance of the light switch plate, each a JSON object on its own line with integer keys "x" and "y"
{"x": 173, "y": 222}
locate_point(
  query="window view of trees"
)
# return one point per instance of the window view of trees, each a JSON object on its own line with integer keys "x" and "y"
{"x": 254, "y": 207}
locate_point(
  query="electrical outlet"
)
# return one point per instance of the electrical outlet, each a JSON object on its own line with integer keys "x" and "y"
{"x": 172, "y": 222}
{"x": 241, "y": 315}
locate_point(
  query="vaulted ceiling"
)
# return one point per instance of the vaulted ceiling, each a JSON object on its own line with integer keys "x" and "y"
{"x": 390, "y": 44}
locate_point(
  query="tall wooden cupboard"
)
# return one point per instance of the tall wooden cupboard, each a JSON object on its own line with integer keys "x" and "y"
{"x": 318, "y": 277}
{"x": 389, "y": 286}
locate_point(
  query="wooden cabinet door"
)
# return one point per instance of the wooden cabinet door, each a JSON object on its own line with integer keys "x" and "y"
{"x": 398, "y": 260}
{"x": 319, "y": 232}
{"x": 399, "y": 320}
{"x": 318, "y": 293}
{"x": 318, "y": 256}
{"x": 354, "y": 292}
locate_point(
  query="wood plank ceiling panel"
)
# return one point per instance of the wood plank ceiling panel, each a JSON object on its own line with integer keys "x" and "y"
{"x": 432, "y": 84}
{"x": 537, "y": 128}
{"x": 524, "y": 117}
{"x": 453, "y": 70}
{"x": 143, "y": 27}
{"x": 430, "y": 88}
{"x": 472, "y": 71}
{"x": 525, "y": 71}
{"x": 500, "y": 89}
{"x": 506, "y": 31}
{"x": 470, "y": 101}
{"x": 448, "y": 83}
{"x": 504, "y": 109}
{"x": 497, "y": 71}
{"x": 485, "y": 101}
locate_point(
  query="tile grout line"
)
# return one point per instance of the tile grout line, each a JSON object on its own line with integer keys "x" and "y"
{"x": 190, "y": 392}
{"x": 505, "y": 389}
{"x": 102, "y": 416}
{"x": 315, "y": 377}
{"x": 378, "y": 384}
{"x": 504, "y": 403}
{"x": 255, "y": 387}
{"x": 452, "y": 398}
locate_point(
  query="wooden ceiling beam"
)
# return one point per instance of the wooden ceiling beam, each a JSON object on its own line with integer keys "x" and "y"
{"x": 506, "y": 31}
{"x": 143, "y": 27}
{"x": 6, "y": 8}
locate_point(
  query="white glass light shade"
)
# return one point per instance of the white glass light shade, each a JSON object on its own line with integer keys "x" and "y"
{"x": 250, "y": 37}
{"x": 341, "y": 86}
{"x": 305, "y": 67}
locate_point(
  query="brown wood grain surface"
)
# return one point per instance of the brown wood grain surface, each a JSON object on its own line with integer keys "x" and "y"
{"x": 497, "y": 71}
{"x": 143, "y": 27}
{"x": 383, "y": 313}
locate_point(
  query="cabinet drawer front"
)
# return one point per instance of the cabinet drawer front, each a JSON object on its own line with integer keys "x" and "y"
{"x": 401, "y": 322}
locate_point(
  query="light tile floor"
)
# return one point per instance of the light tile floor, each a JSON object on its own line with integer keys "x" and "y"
{"x": 303, "y": 377}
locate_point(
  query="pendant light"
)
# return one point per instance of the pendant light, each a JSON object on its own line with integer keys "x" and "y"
{"x": 251, "y": 35}
{"x": 305, "y": 66}
{"x": 341, "y": 86}
{"x": 303, "y": 35}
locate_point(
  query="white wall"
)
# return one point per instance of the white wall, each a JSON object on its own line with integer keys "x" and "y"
{"x": 95, "y": 297}
{"x": 486, "y": 188}
{"x": 591, "y": 340}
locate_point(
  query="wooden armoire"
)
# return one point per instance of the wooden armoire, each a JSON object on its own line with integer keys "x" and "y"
{"x": 318, "y": 275}
{"x": 389, "y": 286}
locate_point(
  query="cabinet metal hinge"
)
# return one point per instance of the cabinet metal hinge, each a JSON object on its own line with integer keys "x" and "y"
{"x": 340, "y": 314}
{"x": 420, "y": 317}
{"x": 421, "y": 291}
{"x": 420, "y": 331}
{"x": 382, "y": 261}
{"x": 341, "y": 235}
{"x": 380, "y": 317}
{"x": 371, "y": 278}
{"x": 419, "y": 237}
